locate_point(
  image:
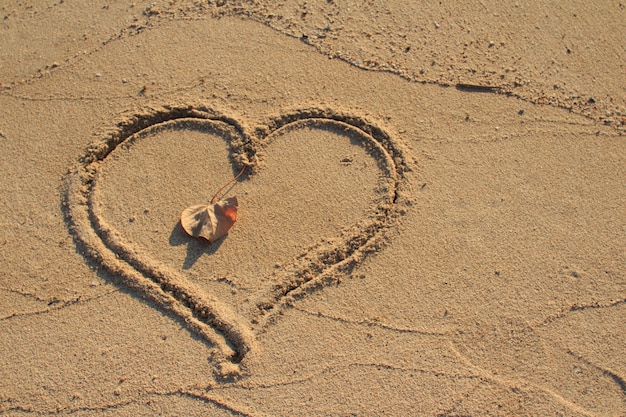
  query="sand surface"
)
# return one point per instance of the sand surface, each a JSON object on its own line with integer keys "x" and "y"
{"x": 432, "y": 220}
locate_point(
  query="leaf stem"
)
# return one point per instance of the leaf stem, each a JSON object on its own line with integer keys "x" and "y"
{"x": 228, "y": 183}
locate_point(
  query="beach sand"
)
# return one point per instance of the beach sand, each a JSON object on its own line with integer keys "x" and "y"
{"x": 432, "y": 218}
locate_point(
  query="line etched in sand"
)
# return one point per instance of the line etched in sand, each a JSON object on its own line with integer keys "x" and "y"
{"x": 507, "y": 382}
{"x": 233, "y": 334}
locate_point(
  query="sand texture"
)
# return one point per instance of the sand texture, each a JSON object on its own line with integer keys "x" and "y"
{"x": 431, "y": 219}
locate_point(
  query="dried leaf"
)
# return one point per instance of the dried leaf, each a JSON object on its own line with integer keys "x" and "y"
{"x": 211, "y": 221}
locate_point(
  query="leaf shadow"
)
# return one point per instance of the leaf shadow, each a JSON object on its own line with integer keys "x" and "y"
{"x": 195, "y": 247}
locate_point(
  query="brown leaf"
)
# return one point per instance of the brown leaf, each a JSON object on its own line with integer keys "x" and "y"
{"x": 211, "y": 221}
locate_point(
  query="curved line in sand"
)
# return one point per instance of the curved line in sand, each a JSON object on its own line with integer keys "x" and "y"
{"x": 202, "y": 313}
{"x": 512, "y": 383}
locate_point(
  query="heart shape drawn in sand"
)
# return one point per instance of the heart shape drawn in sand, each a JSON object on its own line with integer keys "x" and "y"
{"x": 321, "y": 188}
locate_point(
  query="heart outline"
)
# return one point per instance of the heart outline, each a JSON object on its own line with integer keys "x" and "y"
{"x": 203, "y": 313}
